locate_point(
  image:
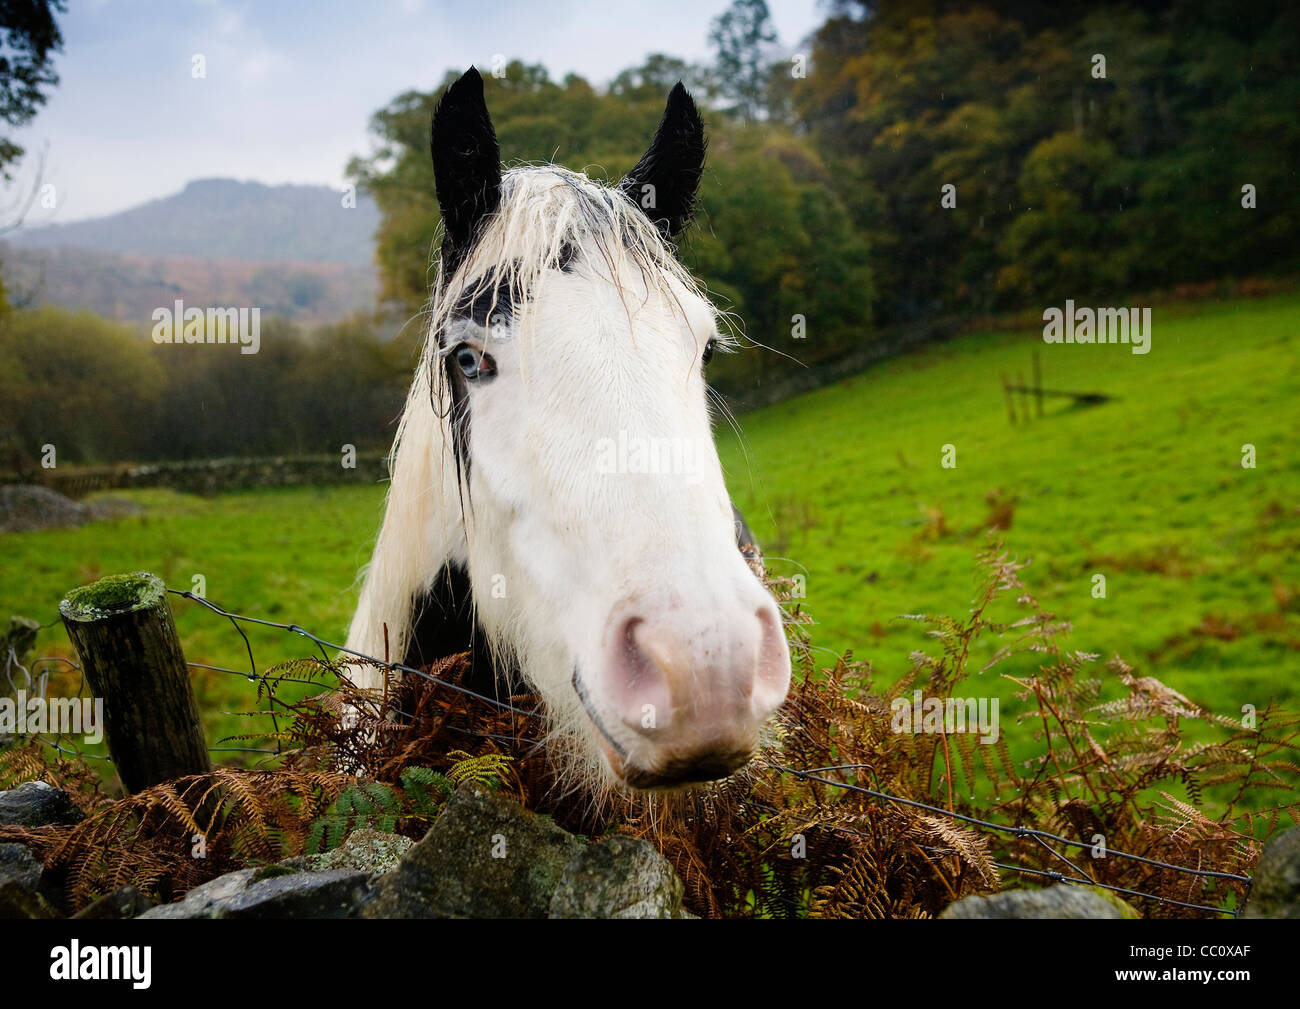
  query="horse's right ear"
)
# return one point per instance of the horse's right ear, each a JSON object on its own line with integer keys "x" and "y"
{"x": 466, "y": 159}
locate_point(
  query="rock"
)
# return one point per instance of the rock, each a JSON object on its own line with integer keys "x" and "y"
{"x": 37, "y": 804}
{"x": 619, "y": 877}
{"x": 270, "y": 892}
{"x": 1275, "y": 892}
{"x": 370, "y": 851}
{"x": 18, "y": 902}
{"x": 27, "y": 507}
{"x": 1061, "y": 901}
{"x": 19, "y": 865}
{"x": 484, "y": 857}
{"x": 124, "y": 902}
{"x": 205, "y": 898}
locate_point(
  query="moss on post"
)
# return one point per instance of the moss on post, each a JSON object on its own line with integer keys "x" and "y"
{"x": 124, "y": 634}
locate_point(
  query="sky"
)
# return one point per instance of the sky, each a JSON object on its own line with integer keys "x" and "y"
{"x": 290, "y": 86}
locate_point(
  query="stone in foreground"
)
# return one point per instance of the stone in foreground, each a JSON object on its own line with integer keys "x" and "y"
{"x": 484, "y": 857}
{"x": 619, "y": 877}
{"x": 1061, "y": 901}
{"x": 259, "y": 893}
{"x": 373, "y": 852}
{"x": 37, "y": 804}
{"x": 18, "y": 865}
{"x": 1275, "y": 892}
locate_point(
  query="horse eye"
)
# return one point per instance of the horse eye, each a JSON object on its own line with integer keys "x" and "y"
{"x": 474, "y": 363}
{"x": 707, "y": 356}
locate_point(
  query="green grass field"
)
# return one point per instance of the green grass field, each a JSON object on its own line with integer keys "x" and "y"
{"x": 1199, "y": 553}
{"x": 845, "y": 485}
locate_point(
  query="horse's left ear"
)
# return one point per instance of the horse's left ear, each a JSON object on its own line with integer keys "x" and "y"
{"x": 664, "y": 181}
{"x": 466, "y": 160}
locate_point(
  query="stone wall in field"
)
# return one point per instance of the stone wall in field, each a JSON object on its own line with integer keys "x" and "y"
{"x": 215, "y": 476}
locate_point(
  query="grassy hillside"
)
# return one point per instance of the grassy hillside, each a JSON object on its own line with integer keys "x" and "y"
{"x": 1199, "y": 554}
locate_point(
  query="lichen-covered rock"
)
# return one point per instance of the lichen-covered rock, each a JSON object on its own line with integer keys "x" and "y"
{"x": 373, "y": 852}
{"x": 270, "y": 893}
{"x": 124, "y": 902}
{"x": 619, "y": 877}
{"x": 1275, "y": 892}
{"x": 19, "y": 865}
{"x": 1061, "y": 901}
{"x": 37, "y": 804}
{"x": 484, "y": 857}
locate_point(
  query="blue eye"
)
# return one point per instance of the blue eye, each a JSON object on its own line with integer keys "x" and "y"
{"x": 473, "y": 363}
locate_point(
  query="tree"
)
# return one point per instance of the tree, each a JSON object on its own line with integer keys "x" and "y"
{"x": 29, "y": 36}
{"x": 992, "y": 162}
{"x": 88, "y": 386}
{"x": 740, "y": 33}
{"x": 656, "y": 76}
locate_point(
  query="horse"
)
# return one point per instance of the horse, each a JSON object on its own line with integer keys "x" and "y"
{"x": 556, "y": 503}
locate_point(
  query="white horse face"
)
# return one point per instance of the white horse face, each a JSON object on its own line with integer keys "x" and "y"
{"x": 558, "y": 448}
{"x": 600, "y": 536}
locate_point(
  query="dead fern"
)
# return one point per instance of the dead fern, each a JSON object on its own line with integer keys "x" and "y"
{"x": 168, "y": 839}
{"x": 1115, "y": 768}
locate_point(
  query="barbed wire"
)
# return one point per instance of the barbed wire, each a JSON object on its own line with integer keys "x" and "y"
{"x": 235, "y": 619}
{"x": 1041, "y": 837}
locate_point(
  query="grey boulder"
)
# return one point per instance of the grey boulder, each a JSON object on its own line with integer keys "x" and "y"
{"x": 1061, "y": 901}
{"x": 18, "y": 865}
{"x": 484, "y": 857}
{"x": 37, "y": 804}
{"x": 619, "y": 877}
{"x": 270, "y": 893}
{"x": 1275, "y": 892}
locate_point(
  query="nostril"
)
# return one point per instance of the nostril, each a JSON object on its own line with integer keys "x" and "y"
{"x": 636, "y": 682}
{"x": 772, "y": 677}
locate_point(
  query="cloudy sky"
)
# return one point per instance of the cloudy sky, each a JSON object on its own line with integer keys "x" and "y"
{"x": 291, "y": 85}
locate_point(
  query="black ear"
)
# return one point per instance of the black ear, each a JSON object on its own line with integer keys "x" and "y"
{"x": 664, "y": 181}
{"x": 466, "y": 160}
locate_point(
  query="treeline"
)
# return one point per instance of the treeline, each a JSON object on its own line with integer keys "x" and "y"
{"x": 1093, "y": 149}
{"x": 773, "y": 240}
{"x": 931, "y": 160}
{"x": 99, "y": 391}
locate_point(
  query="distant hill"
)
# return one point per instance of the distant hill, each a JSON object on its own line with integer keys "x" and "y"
{"x": 128, "y": 286}
{"x": 225, "y": 219}
{"x": 293, "y": 251}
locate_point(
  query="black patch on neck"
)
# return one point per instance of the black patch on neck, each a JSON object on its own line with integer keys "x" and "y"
{"x": 443, "y": 624}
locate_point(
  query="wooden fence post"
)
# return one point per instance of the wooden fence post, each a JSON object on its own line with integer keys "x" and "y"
{"x": 1010, "y": 396}
{"x": 126, "y": 639}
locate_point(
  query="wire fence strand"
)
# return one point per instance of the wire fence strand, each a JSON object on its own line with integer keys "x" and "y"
{"x": 1041, "y": 836}
{"x": 817, "y": 774}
